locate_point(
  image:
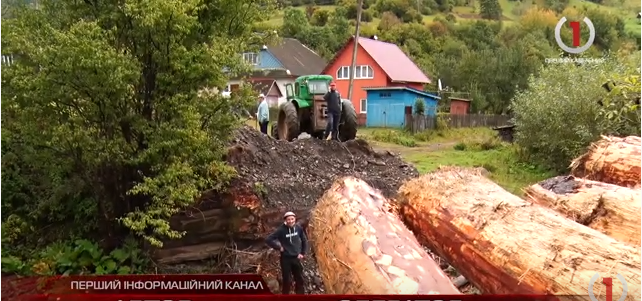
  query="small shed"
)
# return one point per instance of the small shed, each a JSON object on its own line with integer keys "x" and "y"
{"x": 459, "y": 106}
{"x": 387, "y": 106}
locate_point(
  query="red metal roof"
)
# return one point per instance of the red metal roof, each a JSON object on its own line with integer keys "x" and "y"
{"x": 394, "y": 62}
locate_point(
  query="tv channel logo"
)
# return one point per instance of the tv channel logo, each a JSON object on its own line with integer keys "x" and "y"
{"x": 608, "y": 282}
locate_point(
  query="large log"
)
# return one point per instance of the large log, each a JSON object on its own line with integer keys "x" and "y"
{"x": 506, "y": 245}
{"x": 611, "y": 209}
{"x": 362, "y": 248}
{"x": 611, "y": 160}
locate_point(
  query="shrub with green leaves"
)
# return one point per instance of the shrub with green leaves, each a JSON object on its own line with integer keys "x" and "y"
{"x": 109, "y": 122}
{"x": 559, "y": 114}
{"x": 78, "y": 257}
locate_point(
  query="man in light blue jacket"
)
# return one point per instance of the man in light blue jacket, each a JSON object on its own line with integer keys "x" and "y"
{"x": 263, "y": 114}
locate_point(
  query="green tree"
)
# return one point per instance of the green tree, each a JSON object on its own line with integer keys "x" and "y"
{"x": 294, "y": 23}
{"x": 490, "y": 9}
{"x": 320, "y": 17}
{"x": 107, "y": 120}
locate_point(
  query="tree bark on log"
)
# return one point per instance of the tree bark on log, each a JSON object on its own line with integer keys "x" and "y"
{"x": 611, "y": 160}
{"x": 362, "y": 248}
{"x": 611, "y": 209}
{"x": 506, "y": 245}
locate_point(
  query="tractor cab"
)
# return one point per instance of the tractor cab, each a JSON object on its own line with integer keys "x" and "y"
{"x": 308, "y": 91}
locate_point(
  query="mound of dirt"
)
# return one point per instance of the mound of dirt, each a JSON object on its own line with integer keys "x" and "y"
{"x": 293, "y": 175}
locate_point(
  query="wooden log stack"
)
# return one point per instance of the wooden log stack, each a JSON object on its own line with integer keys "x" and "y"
{"x": 612, "y": 205}
{"x": 235, "y": 216}
{"x": 363, "y": 248}
{"x": 610, "y": 209}
{"x": 506, "y": 245}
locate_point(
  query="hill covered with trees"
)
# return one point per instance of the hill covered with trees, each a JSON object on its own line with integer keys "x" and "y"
{"x": 483, "y": 53}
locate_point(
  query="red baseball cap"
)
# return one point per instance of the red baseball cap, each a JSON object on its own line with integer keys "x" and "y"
{"x": 332, "y": 84}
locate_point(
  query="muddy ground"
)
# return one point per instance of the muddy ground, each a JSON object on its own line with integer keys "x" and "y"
{"x": 297, "y": 173}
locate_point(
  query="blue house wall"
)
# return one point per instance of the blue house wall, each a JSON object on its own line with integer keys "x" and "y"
{"x": 386, "y": 106}
{"x": 268, "y": 61}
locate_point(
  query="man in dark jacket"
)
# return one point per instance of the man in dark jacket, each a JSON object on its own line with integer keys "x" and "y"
{"x": 290, "y": 240}
{"x": 333, "y": 101}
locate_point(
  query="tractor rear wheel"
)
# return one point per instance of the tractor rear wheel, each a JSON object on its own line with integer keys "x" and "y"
{"x": 348, "y": 123}
{"x": 288, "y": 122}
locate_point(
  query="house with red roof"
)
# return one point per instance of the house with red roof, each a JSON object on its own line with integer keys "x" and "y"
{"x": 378, "y": 65}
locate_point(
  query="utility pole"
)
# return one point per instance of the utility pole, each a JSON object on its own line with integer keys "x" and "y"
{"x": 354, "y": 50}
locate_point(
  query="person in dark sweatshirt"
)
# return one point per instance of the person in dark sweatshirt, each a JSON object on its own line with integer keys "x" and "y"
{"x": 333, "y": 101}
{"x": 290, "y": 240}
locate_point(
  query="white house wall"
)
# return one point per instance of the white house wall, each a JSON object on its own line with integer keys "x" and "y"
{"x": 279, "y": 82}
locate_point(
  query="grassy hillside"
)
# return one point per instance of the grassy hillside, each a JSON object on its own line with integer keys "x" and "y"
{"x": 512, "y": 10}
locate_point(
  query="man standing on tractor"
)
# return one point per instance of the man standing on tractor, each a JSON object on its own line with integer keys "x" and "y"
{"x": 291, "y": 241}
{"x": 333, "y": 100}
{"x": 263, "y": 114}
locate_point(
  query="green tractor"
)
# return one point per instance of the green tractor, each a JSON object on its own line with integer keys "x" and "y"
{"x": 306, "y": 110}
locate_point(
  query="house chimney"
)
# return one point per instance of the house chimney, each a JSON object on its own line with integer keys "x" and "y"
{"x": 264, "y": 47}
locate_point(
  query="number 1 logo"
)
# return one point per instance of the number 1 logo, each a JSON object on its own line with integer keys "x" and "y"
{"x": 576, "y": 30}
{"x": 608, "y": 282}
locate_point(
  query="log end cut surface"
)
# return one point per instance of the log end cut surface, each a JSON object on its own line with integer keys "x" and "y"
{"x": 362, "y": 248}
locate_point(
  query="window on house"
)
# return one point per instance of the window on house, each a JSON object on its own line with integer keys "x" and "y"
{"x": 7, "y": 60}
{"x": 343, "y": 72}
{"x": 385, "y": 95}
{"x": 363, "y": 106}
{"x": 251, "y": 58}
{"x": 360, "y": 72}
{"x": 363, "y": 72}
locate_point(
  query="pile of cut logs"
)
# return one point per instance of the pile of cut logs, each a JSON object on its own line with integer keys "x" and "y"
{"x": 238, "y": 216}
{"x": 553, "y": 242}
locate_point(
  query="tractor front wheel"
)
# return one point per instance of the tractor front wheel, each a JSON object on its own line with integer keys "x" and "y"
{"x": 348, "y": 123}
{"x": 288, "y": 122}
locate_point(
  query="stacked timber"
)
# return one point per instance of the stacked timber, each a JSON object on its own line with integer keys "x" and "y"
{"x": 363, "y": 248}
{"x": 237, "y": 216}
{"x": 603, "y": 192}
{"x": 611, "y": 160}
{"x": 611, "y": 209}
{"x": 506, "y": 245}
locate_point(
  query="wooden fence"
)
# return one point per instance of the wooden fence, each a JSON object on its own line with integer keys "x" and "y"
{"x": 418, "y": 123}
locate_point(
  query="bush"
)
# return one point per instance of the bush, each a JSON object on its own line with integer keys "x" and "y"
{"x": 442, "y": 122}
{"x": 78, "y": 257}
{"x": 125, "y": 137}
{"x": 484, "y": 145}
{"x": 460, "y": 146}
{"x": 558, "y": 116}
{"x": 420, "y": 106}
